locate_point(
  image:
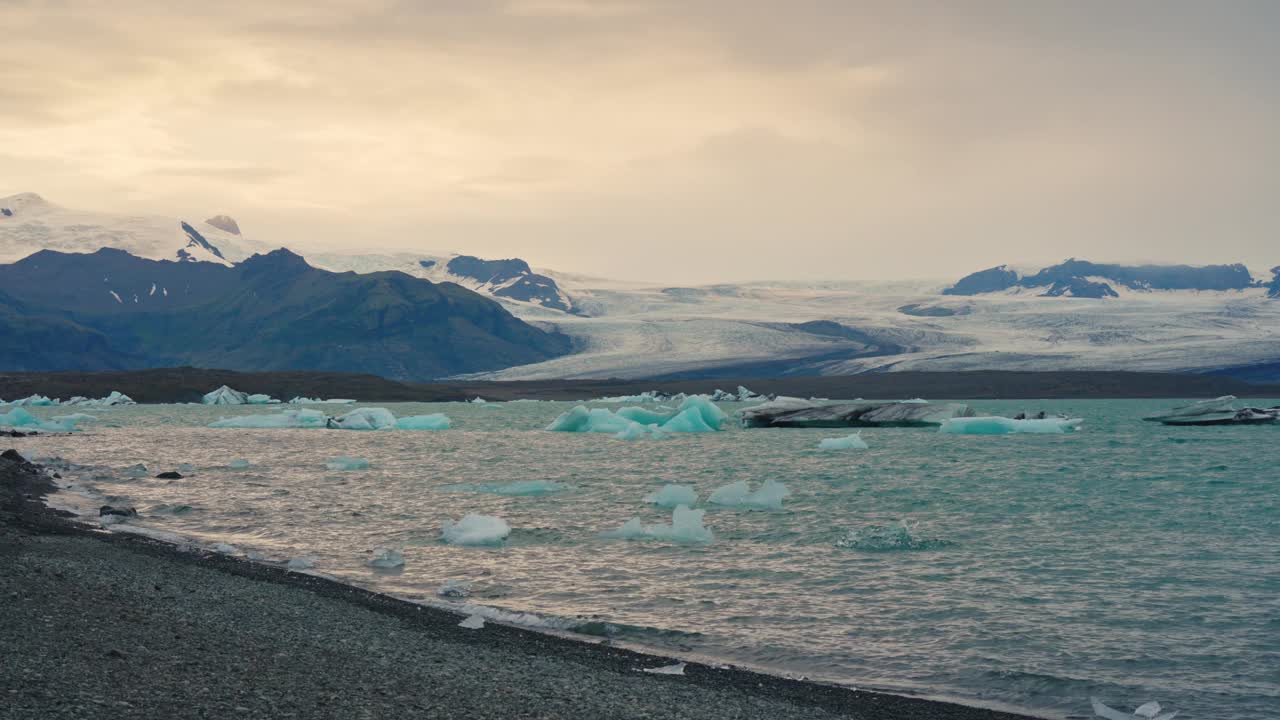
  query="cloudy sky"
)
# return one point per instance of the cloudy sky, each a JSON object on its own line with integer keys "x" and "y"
{"x": 681, "y": 140}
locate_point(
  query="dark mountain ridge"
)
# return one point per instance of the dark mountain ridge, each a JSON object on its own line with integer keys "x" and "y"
{"x": 1081, "y": 278}
{"x": 113, "y": 310}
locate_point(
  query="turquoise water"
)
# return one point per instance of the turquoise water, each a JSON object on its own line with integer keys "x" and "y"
{"x": 1130, "y": 561}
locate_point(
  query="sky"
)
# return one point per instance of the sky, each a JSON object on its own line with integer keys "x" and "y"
{"x": 666, "y": 140}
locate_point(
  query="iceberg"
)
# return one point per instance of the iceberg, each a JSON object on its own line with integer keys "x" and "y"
{"x": 386, "y": 559}
{"x": 115, "y": 398}
{"x": 35, "y": 401}
{"x": 695, "y": 414}
{"x": 454, "y": 589}
{"x": 685, "y": 527}
{"x": 261, "y": 400}
{"x": 300, "y": 563}
{"x": 435, "y": 421}
{"x": 225, "y": 396}
{"x": 648, "y": 396}
{"x": 473, "y": 622}
{"x": 738, "y": 494}
{"x": 317, "y": 401}
{"x": 238, "y": 464}
{"x": 677, "y": 669}
{"x": 289, "y": 418}
{"x": 475, "y": 529}
{"x": 1145, "y": 711}
{"x": 849, "y": 442}
{"x": 790, "y": 412}
{"x": 74, "y": 418}
{"x": 136, "y": 471}
{"x": 1006, "y": 426}
{"x": 347, "y": 463}
{"x": 20, "y": 418}
{"x": 672, "y": 495}
{"x": 1218, "y": 411}
{"x": 636, "y": 431}
{"x": 366, "y": 419}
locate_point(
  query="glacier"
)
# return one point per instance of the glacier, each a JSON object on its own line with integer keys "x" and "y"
{"x": 768, "y": 496}
{"x": 475, "y": 529}
{"x": 685, "y": 527}
{"x": 849, "y": 442}
{"x": 1006, "y": 426}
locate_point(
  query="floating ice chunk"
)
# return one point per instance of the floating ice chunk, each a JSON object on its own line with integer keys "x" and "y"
{"x": 1225, "y": 405}
{"x": 477, "y": 400}
{"x": 225, "y": 396}
{"x": 589, "y": 420}
{"x": 795, "y": 412}
{"x": 850, "y": 442}
{"x": 136, "y": 471}
{"x": 238, "y": 464}
{"x": 454, "y": 589}
{"x": 916, "y": 401}
{"x": 677, "y": 669}
{"x": 226, "y": 549}
{"x": 1148, "y": 711}
{"x": 386, "y": 559}
{"x": 435, "y": 421}
{"x": 475, "y": 529}
{"x": 1005, "y": 426}
{"x": 19, "y": 417}
{"x": 685, "y": 527}
{"x": 186, "y": 468}
{"x": 74, "y": 418}
{"x": 738, "y": 494}
{"x": 259, "y": 399}
{"x": 672, "y": 495}
{"x": 636, "y": 431}
{"x": 648, "y": 396}
{"x": 710, "y": 415}
{"x": 366, "y": 419}
{"x": 347, "y": 463}
{"x": 300, "y": 563}
{"x": 35, "y": 401}
{"x": 519, "y": 487}
{"x": 115, "y": 398}
{"x": 317, "y": 401}
{"x": 473, "y": 622}
{"x": 289, "y": 418}
{"x": 644, "y": 416}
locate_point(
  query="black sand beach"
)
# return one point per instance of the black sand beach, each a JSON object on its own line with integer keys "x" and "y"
{"x": 102, "y": 624}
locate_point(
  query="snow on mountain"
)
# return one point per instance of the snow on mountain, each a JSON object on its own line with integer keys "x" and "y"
{"x": 34, "y": 224}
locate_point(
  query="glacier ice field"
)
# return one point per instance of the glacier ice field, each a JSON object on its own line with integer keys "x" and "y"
{"x": 1126, "y": 561}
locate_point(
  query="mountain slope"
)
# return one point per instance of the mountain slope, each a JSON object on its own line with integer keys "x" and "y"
{"x": 270, "y": 312}
{"x": 1081, "y": 278}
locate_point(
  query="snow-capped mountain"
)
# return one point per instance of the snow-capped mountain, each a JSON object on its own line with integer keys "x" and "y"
{"x": 1074, "y": 315}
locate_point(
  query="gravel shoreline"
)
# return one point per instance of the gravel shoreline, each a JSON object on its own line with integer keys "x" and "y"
{"x": 94, "y": 622}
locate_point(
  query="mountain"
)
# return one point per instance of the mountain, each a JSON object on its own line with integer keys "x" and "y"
{"x": 112, "y": 310}
{"x": 1084, "y": 279}
{"x": 29, "y": 223}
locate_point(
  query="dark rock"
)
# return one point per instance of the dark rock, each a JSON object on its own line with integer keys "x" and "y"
{"x": 917, "y": 310}
{"x": 6, "y": 212}
{"x": 984, "y": 281}
{"x": 171, "y": 475}
{"x": 1080, "y": 288}
{"x": 197, "y": 240}
{"x": 512, "y": 278}
{"x": 427, "y": 263}
{"x": 13, "y": 455}
{"x": 121, "y": 511}
{"x": 15, "y": 433}
{"x": 1070, "y": 274}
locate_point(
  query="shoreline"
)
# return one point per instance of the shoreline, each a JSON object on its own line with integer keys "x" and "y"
{"x": 94, "y": 586}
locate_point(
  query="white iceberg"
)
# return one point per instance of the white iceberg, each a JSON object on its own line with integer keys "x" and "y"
{"x": 365, "y": 419}
{"x": 475, "y": 529}
{"x": 436, "y": 421}
{"x": 317, "y": 401}
{"x": 677, "y": 669}
{"x": 695, "y": 414}
{"x": 849, "y": 442}
{"x": 685, "y": 527}
{"x": 300, "y": 563}
{"x": 225, "y": 396}
{"x": 1146, "y": 711}
{"x": 386, "y": 559}
{"x": 288, "y": 418}
{"x": 347, "y": 463}
{"x": 260, "y": 399}
{"x": 115, "y": 398}
{"x": 768, "y": 496}
{"x": 670, "y": 496}
{"x": 1006, "y": 426}
{"x": 35, "y": 401}
{"x": 790, "y": 412}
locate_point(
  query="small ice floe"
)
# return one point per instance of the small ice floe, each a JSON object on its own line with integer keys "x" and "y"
{"x": 738, "y": 494}
{"x": 186, "y": 468}
{"x": 685, "y": 527}
{"x": 849, "y": 442}
{"x": 300, "y": 563}
{"x": 225, "y": 549}
{"x": 343, "y": 462}
{"x": 455, "y": 589}
{"x": 1146, "y": 711}
{"x": 436, "y": 421}
{"x": 238, "y": 464}
{"x": 475, "y": 529}
{"x": 473, "y": 622}
{"x": 519, "y": 487}
{"x": 1008, "y": 426}
{"x": 677, "y": 669}
{"x": 386, "y": 559}
{"x": 672, "y": 495}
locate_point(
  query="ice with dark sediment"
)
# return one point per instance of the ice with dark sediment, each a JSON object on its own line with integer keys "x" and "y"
{"x": 1218, "y": 411}
{"x": 789, "y": 412}
{"x": 1007, "y": 426}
